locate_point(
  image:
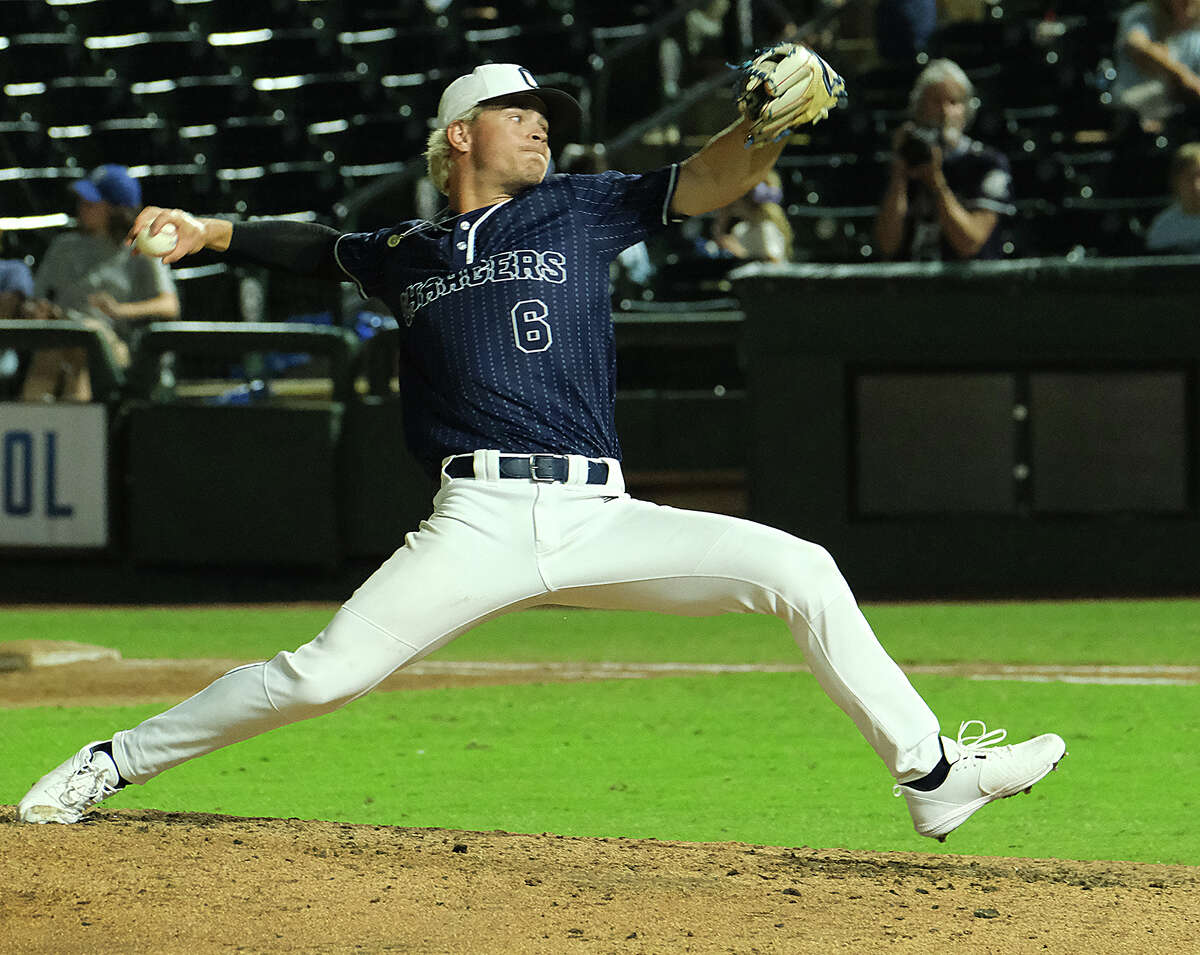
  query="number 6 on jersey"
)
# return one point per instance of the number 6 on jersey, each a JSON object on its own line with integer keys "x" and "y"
{"x": 530, "y": 327}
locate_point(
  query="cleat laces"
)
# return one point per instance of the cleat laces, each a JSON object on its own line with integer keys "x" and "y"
{"x": 969, "y": 746}
{"x": 86, "y": 786}
{"x": 974, "y": 745}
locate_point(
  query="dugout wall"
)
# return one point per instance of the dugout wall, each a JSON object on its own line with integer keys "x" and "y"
{"x": 983, "y": 429}
{"x": 992, "y": 429}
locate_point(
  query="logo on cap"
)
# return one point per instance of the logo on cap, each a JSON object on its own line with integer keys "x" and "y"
{"x": 527, "y": 77}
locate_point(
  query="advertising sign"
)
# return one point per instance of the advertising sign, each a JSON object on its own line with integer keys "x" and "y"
{"x": 53, "y": 475}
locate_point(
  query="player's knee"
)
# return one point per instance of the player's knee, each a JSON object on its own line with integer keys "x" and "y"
{"x": 811, "y": 578}
{"x": 299, "y": 693}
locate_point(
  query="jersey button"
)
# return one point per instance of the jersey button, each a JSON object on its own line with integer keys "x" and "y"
{"x": 462, "y": 247}
{"x": 464, "y": 226}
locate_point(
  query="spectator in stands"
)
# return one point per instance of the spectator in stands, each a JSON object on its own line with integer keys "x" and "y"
{"x": 755, "y": 227}
{"x": 1158, "y": 59}
{"x": 91, "y": 276}
{"x": 946, "y": 192}
{"x": 1177, "y": 228}
{"x": 16, "y": 286}
{"x": 16, "y": 283}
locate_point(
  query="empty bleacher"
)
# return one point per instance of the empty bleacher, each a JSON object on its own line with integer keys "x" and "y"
{"x": 292, "y": 105}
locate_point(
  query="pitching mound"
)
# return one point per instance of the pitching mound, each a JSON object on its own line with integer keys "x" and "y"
{"x": 138, "y": 881}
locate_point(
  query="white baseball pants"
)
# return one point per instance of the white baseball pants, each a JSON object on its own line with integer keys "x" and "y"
{"x": 494, "y": 545}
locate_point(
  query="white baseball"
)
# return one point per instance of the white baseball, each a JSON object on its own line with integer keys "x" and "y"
{"x": 159, "y": 244}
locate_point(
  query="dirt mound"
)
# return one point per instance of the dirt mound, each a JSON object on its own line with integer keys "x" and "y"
{"x": 144, "y": 881}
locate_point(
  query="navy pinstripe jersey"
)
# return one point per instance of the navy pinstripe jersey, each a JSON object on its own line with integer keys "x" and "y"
{"x": 505, "y": 315}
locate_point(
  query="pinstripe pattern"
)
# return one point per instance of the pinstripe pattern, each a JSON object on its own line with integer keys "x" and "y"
{"x": 506, "y": 324}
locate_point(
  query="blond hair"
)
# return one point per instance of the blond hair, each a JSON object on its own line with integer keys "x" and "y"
{"x": 1186, "y": 158}
{"x": 439, "y": 155}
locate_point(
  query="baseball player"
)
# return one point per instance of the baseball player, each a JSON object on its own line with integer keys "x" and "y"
{"x": 507, "y": 374}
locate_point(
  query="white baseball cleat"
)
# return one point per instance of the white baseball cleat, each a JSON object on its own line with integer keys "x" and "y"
{"x": 980, "y": 772}
{"x": 68, "y": 791}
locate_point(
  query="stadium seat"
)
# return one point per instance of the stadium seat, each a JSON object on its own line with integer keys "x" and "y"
{"x": 365, "y": 139}
{"x": 1033, "y": 232}
{"x": 842, "y": 179}
{"x": 143, "y": 57}
{"x": 884, "y": 87}
{"x": 293, "y": 187}
{"x": 1037, "y": 176}
{"x": 1109, "y": 227}
{"x": 98, "y": 17}
{"x": 179, "y": 185}
{"x": 312, "y": 97}
{"x": 1116, "y": 173}
{"x": 31, "y": 17}
{"x": 225, "y": 17}
{"x": 412, "y": 48}
{"x": 107, "y": 378}
{"x": 278, "y": 52}
{"x": 79, "y": 100}
{"x": 833, "y": 233}
{"x": 241, "y": 141}
{"x": 190, "y": 101}
{"x": 1027, "y": 131}
{"x": 32, "y": 57}
{"x": 129, "y": 141}
{"x": 553, "y": 45}
{"x": 38, "y": 191}
{"x": 23, "y": 142}
{"x": 977, "y": 43}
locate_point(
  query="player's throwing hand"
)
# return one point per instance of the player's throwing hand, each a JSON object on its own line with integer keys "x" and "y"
{"x": 190, "y": 233}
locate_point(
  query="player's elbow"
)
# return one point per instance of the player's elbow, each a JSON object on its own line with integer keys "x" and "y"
{"x": 701, "y": 189}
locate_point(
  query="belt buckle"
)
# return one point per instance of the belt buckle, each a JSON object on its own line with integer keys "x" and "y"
{"x": 541, "y": 467}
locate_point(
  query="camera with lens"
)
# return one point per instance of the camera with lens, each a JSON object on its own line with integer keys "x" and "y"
{"x": 917, "y": 147}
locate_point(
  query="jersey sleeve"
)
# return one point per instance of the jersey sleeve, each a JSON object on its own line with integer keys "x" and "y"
{"x": 361, "y": 255}
{"x": 619, "y": 209}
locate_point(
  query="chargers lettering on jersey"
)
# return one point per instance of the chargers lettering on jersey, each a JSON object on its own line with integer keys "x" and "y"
{"x": 549, "y": 266}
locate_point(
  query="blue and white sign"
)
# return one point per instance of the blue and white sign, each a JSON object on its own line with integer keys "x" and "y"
{"x": 53, "y": 475}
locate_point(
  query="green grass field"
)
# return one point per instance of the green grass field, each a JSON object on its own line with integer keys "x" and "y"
{"x": 755, "y": 757}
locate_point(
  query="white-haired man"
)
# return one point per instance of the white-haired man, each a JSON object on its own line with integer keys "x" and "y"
{"x": 508, "y": 380}
{"x": 946, "y": 192}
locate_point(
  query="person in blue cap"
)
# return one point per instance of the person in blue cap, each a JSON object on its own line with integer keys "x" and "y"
{"x": 90, "y": 275}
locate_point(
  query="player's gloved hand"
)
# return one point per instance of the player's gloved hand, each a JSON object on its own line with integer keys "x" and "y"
{"x": 784, "y": 87}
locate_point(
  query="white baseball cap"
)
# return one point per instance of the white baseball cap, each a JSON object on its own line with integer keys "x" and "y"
{"x": 494, "y": 80}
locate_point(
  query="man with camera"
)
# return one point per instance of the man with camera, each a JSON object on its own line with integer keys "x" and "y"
{"x": 946, "y": 192}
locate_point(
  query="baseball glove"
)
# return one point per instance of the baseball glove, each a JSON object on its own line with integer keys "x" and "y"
{"x": 784, "y": 87}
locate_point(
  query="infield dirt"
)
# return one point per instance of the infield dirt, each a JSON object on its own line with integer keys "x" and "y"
{"x": 145, "y": 881}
